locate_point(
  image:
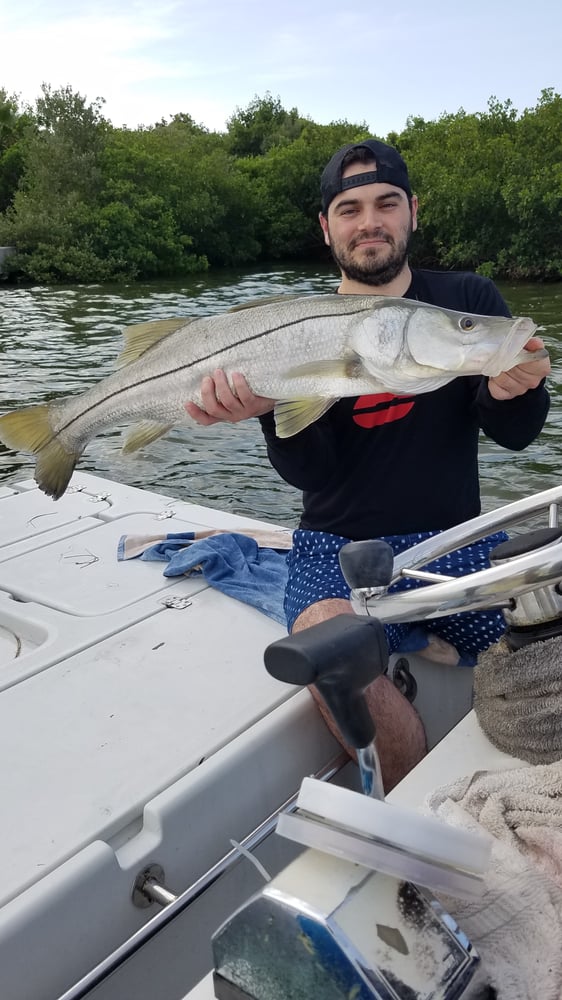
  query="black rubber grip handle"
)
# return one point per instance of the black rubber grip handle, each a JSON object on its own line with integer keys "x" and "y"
{"x": 367, "y": 564}
{"x": 524, "y": 543}
{"x": 341, "y": 657}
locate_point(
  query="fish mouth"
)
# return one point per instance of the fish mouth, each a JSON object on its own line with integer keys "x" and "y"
{"x": 506, "y": 355}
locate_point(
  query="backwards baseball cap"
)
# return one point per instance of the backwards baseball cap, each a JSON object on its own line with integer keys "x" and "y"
{"x": 389, "y": 169}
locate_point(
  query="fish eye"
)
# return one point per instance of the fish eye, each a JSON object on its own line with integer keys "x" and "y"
{"x": 467, "y": 324}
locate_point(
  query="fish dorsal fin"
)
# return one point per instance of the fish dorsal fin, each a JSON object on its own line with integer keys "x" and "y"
{"x": 144, "y": 433}
{"x": 140, "y": 337}
{"x": 350, "y": 367}
{"x": 267, "y": 300}
{"x": 293, "y": 415}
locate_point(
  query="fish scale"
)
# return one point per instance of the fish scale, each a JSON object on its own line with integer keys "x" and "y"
{"x": 305, "y": 353}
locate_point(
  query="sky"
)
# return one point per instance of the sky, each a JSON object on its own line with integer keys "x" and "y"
{"x": 358, "y": 60}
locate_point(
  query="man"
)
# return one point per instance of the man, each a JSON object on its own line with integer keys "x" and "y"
{"x": 385, "y": 466}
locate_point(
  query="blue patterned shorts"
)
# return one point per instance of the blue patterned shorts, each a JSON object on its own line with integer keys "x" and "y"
{"x": 315, "y": 575}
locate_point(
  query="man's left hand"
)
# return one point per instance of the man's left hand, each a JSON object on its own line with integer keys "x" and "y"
{"x": 518, "y": 380}
{"x": 225, "y": 404}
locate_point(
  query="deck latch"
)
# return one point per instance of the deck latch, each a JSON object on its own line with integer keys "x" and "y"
{"x": 178, "y": 603}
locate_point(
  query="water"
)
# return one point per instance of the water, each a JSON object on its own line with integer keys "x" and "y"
{"x": 56, "y": 341}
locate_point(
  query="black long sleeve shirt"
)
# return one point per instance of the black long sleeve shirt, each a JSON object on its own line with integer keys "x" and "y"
{"x": 383, "y": 464}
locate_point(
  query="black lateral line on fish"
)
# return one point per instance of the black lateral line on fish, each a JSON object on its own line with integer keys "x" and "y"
{"x": 152, "y": 378}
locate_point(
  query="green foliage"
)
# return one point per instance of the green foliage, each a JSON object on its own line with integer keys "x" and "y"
{"x": 84, "y": 201}
{"x": 12, "y": 164}
{"x": 49, "y": 218}
{"x": 134, "y": 225}
{"x": 14, "y": 126}
{"x": 286, "y": 181}
{"x": 487, "y": 269}
{"x": 457, "y": 164}
{"x": 490, "y": 188}
{"x": 532, "y": 193}
{"x": 254, "y": 130}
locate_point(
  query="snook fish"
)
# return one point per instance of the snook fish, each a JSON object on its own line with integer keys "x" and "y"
{"x": 305, "y": 352}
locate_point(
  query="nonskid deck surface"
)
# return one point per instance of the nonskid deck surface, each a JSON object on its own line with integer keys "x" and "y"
{"x": 125, "y": 725}
{"x": 133, "y": 733}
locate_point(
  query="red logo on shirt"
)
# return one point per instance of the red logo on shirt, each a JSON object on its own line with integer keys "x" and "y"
{"x": 382, "y": 408}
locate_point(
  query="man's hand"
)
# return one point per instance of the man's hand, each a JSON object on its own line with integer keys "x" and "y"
{"x": 518, "y": 380}
{"x": 221, "y": 404}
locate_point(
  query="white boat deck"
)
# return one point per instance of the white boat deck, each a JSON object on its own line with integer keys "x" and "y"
{"x": 125, "y": 725}
{"x": 133, "y": 733}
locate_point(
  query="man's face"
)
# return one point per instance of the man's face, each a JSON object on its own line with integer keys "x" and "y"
{"x": 368, "y": 230}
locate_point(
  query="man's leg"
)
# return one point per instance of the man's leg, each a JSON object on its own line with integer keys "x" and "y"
{"x": 469, "y": 632}
{"x": 400, "y": 736}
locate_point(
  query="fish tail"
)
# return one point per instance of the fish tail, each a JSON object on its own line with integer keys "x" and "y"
{"x": 31, "y": 430}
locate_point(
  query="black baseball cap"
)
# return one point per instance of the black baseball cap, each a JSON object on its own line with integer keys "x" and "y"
{"x": 389, "y": 169}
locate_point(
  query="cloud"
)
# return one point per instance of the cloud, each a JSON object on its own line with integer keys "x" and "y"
{"x": 150, "y": 60}
{"x": 97, "y": 50}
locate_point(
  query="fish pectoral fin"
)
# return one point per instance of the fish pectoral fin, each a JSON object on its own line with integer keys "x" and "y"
{"x": 31, "y": 430}
{"x": 293, "y": 415}
{"x": 349, "y": 367}
{"x": 142, "y": 336}
{"x": 143, "y": 434}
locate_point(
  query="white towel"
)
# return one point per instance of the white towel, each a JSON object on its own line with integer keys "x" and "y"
{"x": 516, "y": 925}
{"x": 132, "y": 546}
{"x": 518, "y": 699}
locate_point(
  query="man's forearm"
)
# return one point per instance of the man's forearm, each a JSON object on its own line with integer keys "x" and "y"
{"x": 513, "y": 423}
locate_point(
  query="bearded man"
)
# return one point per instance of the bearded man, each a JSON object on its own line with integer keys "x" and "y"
{"x": 394, "y": 467}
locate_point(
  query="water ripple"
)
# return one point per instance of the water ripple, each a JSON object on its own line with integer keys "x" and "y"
{"x": 58, "y": 341}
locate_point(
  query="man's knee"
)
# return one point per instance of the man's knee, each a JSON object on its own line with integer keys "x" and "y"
{"x": 320, "y": 612}
{"x": 400, "y": 739}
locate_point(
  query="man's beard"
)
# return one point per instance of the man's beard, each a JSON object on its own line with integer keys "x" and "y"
{"x": 373, "y": 270}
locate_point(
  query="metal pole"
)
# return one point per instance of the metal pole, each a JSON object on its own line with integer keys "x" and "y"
{"x": 180, "y": 903}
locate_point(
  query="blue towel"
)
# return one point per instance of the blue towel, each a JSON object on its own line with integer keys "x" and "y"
{"x": 232, "y": 563}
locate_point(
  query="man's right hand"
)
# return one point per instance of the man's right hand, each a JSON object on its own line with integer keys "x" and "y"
{"x": 221, "y": 404}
